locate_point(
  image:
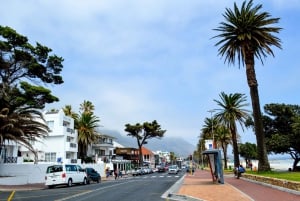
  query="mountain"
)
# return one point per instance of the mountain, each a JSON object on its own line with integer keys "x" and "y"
{"x": 177, "y": 145}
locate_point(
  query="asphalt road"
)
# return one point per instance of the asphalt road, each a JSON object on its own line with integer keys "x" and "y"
{"x": 141, "y": 188}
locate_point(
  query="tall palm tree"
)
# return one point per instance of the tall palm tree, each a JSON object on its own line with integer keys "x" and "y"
{"x": 248, "y": 33}
{"x": 87, "y": 134}
{"x": 87, "y": 107}
{"x": 232, "y": 111}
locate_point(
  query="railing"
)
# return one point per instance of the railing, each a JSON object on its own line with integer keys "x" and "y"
{"x": 10, "y": 159}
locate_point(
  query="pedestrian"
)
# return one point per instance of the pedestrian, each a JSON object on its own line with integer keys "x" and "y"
{"x": 107, "y": 172}
{"x": 120, "y": 174}
{"x": 116, "y": 173}
{"x": 250, "y": 165}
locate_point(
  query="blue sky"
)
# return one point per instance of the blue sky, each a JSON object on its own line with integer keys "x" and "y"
{"x": 144, "y": 60}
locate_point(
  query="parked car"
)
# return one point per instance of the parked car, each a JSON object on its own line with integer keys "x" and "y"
{"x": 173, "y": 169}
{"x": 65, "y": 174}
{"x": 92, "y": 175}
{"x": 138, "y": 171}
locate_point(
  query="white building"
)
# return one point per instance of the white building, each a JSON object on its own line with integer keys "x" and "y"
{"x": 61, "y": 143}
{"x": 103, "y": 150}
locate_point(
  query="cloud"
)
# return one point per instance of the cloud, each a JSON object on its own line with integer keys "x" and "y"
{"x": 138, "y": 60}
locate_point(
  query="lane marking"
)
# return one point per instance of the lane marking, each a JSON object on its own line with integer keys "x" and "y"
{"x": 11, "y": 196}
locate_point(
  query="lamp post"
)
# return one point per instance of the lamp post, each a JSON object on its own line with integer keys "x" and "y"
{"x": 212, "y": 128}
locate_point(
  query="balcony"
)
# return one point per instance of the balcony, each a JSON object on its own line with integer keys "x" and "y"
{"x": 103, "y": 143}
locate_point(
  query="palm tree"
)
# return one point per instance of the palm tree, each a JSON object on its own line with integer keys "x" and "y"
{"x": 210, "y": 125}
{"x": 246, "y": 34}
{"x": 87, "y": 134}
{"x": 87, "y": 107}
{"x": 223, "y": 136}
{"x": 23, "y": 126}
{"x": 69, "y": 112}
{"x": 231, "y": 111}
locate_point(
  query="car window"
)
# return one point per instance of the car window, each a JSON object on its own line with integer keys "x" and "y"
{"x": 56, "y": 168}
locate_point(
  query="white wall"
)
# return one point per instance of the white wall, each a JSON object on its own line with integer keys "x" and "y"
{"x": 20, "y": 174}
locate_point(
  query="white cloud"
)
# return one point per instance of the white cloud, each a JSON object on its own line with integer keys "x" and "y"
{"x": 138, "y": 60}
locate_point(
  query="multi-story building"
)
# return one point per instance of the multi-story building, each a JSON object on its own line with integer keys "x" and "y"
{"x": 103, "y": 149}
{"x": 59, "y": 146}
{"x": 61, "y": 143}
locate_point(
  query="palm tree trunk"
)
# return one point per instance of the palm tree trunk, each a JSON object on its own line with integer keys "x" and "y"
{"x": 235, "y": 148}
{"x": 224, "y": 147}
{"x": 263, "y": 162}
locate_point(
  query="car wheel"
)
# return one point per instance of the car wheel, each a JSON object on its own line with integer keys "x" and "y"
{"x": 85, "y": 181}
{"x": 69, "y": 182}
{"x": 98, "y": 180}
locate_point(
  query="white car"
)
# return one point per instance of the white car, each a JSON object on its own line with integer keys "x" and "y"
{"x": 65, "y": 174}
{"x": 173, "y": 169}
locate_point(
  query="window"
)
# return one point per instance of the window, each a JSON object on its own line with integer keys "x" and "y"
{"x": 50, "y": 157}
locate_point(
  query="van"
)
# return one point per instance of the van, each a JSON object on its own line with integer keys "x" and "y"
{"x": 65, "y": 174}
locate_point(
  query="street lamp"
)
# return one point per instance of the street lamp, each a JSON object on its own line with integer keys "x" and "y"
{"x": 212, "y": 128}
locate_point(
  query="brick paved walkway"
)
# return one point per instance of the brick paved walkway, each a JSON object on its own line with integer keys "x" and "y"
{"x": 200, "y": 186}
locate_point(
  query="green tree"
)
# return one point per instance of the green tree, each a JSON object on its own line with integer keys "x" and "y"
{"x": 207, "y": 131}
{"x": 223, "y": 136}
{"x": 248, "y": 33}
{"x": 144, "y": 132}
{"x": 24, "y": 68}
{"x": 282, "y": 128}
{"x": 86, "y": 124}
{"x": 231, "y": 111}
{"x": 248, "y": 151}
{"x": 87, "y": 107}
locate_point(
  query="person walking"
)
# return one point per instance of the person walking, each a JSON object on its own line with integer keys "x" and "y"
{"x": 116, "y": 173}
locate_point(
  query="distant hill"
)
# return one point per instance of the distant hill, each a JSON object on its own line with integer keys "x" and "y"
{"x": 171, "y": 144}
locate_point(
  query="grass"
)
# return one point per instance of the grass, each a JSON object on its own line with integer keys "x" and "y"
{"x": 291, "y": 176}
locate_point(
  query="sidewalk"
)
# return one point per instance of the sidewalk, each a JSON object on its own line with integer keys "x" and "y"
{"x": 201, "y": 186}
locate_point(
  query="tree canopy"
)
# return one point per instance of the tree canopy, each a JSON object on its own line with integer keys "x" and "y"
{"x": 282, "y": 129}
{"x": 23, "y": 69}
{"x": 143, "y": 132}
{"x": 248, "y": 151}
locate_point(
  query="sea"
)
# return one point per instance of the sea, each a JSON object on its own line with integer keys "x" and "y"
{"x": 276, "y": 163}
